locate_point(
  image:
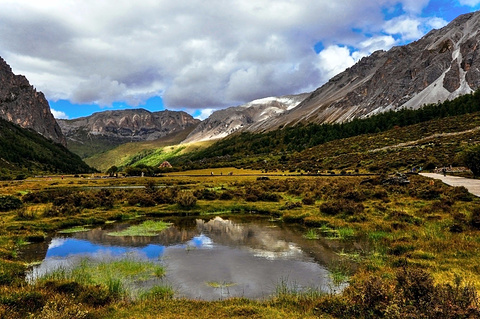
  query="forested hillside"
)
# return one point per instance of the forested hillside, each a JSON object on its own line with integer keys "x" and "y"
{"x": 24, "y": 152}
{"x": 301, "y": 137}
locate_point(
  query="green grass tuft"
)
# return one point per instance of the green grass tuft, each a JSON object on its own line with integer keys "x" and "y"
{"x": 147, "y": 228}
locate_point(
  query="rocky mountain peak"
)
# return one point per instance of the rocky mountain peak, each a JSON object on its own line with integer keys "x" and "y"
{"x": 127, "y": 125}
{"x": 442, "y": 65}
{"x": 224, "y": 122}
{"x": 21, "y": 104}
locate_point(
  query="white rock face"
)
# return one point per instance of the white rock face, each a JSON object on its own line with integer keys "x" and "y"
{"x": 224, "y": 122}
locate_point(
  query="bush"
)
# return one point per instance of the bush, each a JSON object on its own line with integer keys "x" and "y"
{"x": 475, "y": 218}
{"x": 226, "y": 195}
{"x": 206, "y": 194}
{"x": 186, "y": 200}
{"x": 411, "y": 295}
{"x": 471, "y": 158}
{"x": 165, "y": 195}
{"x": 62, "y": 210}
{"x": 346, "y": 207}
{"x": 8, "y": 203}
{"x": 308, "y": 200}
{"x": 370, "y": 298}
{"x": 291, "y": 205}
{"x": 141, "y": 198}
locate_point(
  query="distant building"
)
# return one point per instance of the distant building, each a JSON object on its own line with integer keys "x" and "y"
{"x": 165, "y": 164}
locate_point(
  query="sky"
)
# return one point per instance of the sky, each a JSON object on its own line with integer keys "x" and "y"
{"x": 197, "y": 55}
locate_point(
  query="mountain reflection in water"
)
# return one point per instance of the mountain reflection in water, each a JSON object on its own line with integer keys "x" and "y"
{"x": 207, "y": 260}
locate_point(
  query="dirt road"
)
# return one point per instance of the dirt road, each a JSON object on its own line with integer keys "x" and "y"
{"x": 473, "y": 185}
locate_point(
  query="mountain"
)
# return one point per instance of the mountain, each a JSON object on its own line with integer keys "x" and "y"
{"x": 104, "y": 130}
{"x": 442, "y": 65}
{"x": 224, "y": 122}
{"x": 21, "y": 104}
{"x": 25, "y": 152}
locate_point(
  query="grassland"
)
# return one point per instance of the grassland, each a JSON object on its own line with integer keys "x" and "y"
{"x": 417, "y": 246}
{"x": 151, "y": 153}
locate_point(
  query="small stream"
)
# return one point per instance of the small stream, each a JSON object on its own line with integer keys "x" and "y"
{"x": 207, "y": 259}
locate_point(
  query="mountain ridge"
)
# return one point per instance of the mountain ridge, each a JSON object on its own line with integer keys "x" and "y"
{"x": 107, "y": 129}
{"x": 22, "y": 104}
{"x": 441, "y": 65}
{"x": 224, "y": 122}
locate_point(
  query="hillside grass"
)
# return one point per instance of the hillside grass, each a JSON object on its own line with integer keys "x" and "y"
{"x": 151, "y": 153}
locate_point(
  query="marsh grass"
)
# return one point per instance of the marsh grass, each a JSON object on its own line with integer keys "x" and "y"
{"x": 340, "y": 272}
{"x": 346, "y": 232}
{"x": 76, "y": 229}
{"x": 158, "y": 293}
{"x": 354, "y": 256}
{"x": 118, "y": 276}
{"x": 340, "y": 233}
{"x": 216, "y": 284}
{"x": 311, "y": 234}
{"x": 434, "y": 247}
{"x": 377, "y": 235}
{"x": 288, "y": 290}
{"x": 147, "y": 228}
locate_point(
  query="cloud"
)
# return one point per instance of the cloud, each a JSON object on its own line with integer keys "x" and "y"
{"x": 333, "y": 60}
{"x": 471, "y": 3}
{"x": 58, "y": 114}
{"x": 412, "y": 28}
{"x": 204, "y": 113}
{"x": 103, "y": 91}
{"x": 193, "y": 53}
{"x": 406, "y": 27}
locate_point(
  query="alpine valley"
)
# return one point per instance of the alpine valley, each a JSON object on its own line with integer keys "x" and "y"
{"x": 441, "y": 66}
{"x": 325, "y": 204}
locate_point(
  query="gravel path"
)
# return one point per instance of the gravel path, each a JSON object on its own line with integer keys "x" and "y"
{"x": 473, "y": 185}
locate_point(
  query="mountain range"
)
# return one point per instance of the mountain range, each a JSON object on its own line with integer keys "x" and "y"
{"x": 440, "y": 66}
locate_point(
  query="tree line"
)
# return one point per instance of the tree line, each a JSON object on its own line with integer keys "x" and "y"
{"x": 303, "y": 136}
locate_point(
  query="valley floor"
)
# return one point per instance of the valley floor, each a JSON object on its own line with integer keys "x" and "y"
{"x": 415, "y": 247}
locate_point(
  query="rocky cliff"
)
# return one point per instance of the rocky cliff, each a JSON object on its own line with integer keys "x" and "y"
{"x": 442, "y": 65}
{"x": 104, "y": 130}
{"x": 21, "y": 104}
{"x": 131, "y": 125}
{"x": 224, "y": 122}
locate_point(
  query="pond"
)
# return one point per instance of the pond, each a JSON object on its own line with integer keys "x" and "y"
{"x": 207, "y": 259}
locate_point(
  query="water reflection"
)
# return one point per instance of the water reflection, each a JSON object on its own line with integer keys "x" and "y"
{"x": 204, "y": 259}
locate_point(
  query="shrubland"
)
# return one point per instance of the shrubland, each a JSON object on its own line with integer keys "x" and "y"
{"x": 415, "y": 246}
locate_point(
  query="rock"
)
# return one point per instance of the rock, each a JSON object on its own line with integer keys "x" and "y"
{"x": 127, "y": 125}
{"x": 398, "y": 179}
{"x": 442, "y": 65}
{"x": 21, "y": 104}
{"x": 224, "y": 122}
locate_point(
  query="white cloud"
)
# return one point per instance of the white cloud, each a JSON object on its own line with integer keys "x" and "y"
{"x": 58, "y": 114}
{"x": 204, "y": 113}
{"x": 435, "y": 23}
{"x": 103, "y": 91}
{"x": 408, "y": 28}
{"x": 333, "y": 60}
{"x": 193, "y": 53}
{"x": 414, "y": 6}
{"x": 471, "y": 3}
